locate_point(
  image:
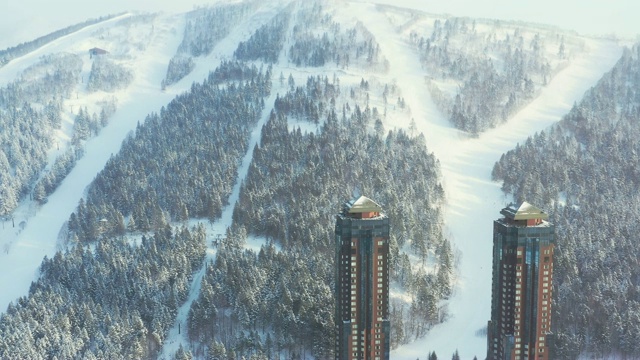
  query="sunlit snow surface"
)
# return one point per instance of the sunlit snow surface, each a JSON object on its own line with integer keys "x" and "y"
{"x": 473, "y": 200}
{"x": 22, "y": 251}
{"x": 27, "y": 19}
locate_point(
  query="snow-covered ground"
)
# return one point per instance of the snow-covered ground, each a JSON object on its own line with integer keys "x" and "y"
{"x": 177, "y": 337}
{"x": 10, "y": 71}
{"x": 25, "y": 248}
{"x": 37, "y": 229}
{"x": 473, "y": 200}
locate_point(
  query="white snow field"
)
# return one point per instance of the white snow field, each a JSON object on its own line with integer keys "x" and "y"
{"x": 176, "y": 336}
{"x": 24, "y": 246}
{"x": 25, "y": 249}
{"x": 473, "y": 200}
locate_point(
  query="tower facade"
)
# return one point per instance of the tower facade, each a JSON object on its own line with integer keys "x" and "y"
{"x": 520, "y": 325}
{"x": 362, "y": 281}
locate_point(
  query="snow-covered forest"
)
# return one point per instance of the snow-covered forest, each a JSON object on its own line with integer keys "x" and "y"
{"x": 482, "y": 72}
{"x": 585, "y": 171}
{"x": 204, "y": 29}
{"x": 35, "y": 120}
{"x": 319, "y": 39}
{"x": 115, "y": 300}
{"x": 296, "y": 179}
{"x": 31, "y": 111}
{"x": 180, "y": 163}
{"x": 228, "y": 137}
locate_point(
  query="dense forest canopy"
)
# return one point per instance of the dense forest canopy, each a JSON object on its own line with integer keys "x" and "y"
{"x": 318, "y": 40}
{"x": 155, "y": 272}
{"x": 585, "y": 171}
{"x": 116, "y": 300}
{"x": 483, "y": 72}
{"x": 204, "y": 29}
{"x": 160, "y": 177}
{"x": 133, "y": 251}
{"x": 295, "y": 185}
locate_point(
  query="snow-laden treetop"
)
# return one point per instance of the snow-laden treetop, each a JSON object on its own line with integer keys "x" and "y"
{"x": 525, "y": 211}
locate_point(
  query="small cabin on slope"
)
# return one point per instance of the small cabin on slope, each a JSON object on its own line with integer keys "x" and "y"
{"x": 97, "y": 51}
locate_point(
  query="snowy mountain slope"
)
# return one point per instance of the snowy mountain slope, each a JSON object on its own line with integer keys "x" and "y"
{"x": 177, "y": 337}
{"x": 598, "y": 138}
{"x": 10, "y": 71}
{"x": 470, "y": 305}
{"x": 473, "y": 200}
{"x": 23, "y": 249}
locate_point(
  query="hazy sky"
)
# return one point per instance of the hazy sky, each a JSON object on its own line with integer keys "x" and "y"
{"x": 23, "y": 20}
{"x": 585, "y": 16}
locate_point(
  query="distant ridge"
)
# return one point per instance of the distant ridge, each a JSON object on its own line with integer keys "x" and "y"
{"x": 13, "y": 52}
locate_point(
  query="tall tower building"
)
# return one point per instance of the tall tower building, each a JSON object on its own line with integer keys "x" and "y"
{"x": 520, "y": 325}
{"x": 362, "y": 281}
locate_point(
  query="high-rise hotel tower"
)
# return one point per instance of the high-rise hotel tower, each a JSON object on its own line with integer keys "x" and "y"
{"x": 520, "y": 325}
{"x": 362, "y": 281}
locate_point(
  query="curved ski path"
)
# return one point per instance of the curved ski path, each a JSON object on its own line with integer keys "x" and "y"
{"x": 473, "y": 200}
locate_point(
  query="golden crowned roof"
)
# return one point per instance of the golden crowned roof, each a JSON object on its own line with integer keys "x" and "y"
{"x": 363, "y": 204}
{"x": 525, "y": 211}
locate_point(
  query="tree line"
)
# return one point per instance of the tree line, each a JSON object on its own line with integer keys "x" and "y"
{"x": 494, "y": 76}
{"x": 107, "y": 75}
{"x": 204, "y": 29}
{"x": 30, "y": 110}
{"x": 319, "y": 40}
{"x": 584, "y": 170}
{"x": 205, "y": 131}
{"x": 265, "y": 44}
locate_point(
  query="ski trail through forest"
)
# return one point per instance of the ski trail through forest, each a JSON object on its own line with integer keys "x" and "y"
{"x": 178, "y": 333}
{"x": 473, "y": 200}
{"x": 19, "y": 265}
{"x": 38, "y": 236}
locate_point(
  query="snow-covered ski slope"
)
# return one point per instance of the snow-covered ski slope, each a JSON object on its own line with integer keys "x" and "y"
{"x": 23, "y": 247}
{"x": 473, "y": 200}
